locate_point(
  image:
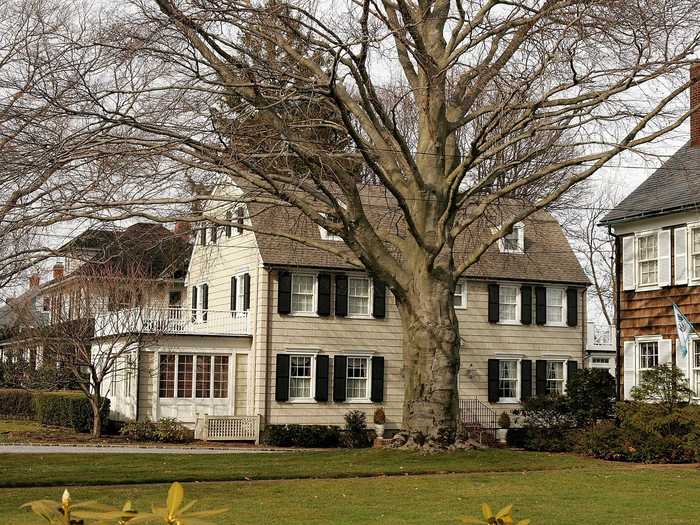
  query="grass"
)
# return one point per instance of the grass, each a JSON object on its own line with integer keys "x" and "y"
{"x": 101, "y": 469}
{"x": 557, "y": 497}
{"x": 27, "y": 431}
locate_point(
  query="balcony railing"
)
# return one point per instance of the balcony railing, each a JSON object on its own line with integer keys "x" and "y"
{"x": 600, "y": 337}
{"x": 168, "y": 321}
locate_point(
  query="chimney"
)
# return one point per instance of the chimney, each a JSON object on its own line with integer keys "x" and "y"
{"x": 58, "y": 270}
{"x": 694, "y": 102}
{"x": 183, "y": 229}
{"x": 34, "y": 280}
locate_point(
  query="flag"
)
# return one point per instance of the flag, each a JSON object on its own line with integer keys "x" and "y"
{"x": 685, "y": 328}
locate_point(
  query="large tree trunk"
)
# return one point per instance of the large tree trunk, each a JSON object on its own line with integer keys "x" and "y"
{"x": 431, "y": 346}
{"x": 95, "y": 403}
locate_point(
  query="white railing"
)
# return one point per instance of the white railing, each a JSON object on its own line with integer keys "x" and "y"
{"x": 172, "y": 321}
{"x": 600, "y": 337}
{"x": 228, "y": 428}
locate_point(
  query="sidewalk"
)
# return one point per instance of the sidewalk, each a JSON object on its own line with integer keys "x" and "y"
{"x": 133, "y": 449}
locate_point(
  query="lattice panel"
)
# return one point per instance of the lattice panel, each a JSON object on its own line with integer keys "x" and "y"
{"x": 232, "y": 428}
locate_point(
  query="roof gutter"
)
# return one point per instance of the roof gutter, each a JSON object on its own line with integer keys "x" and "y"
{"x": 648, "y": 214}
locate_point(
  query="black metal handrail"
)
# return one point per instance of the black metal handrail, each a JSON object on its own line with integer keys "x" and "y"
{"x": 479, "y": 420}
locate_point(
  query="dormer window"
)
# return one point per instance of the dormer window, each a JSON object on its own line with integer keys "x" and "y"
{"x": 326, "y": 235}
{"x": 514, "y": 240}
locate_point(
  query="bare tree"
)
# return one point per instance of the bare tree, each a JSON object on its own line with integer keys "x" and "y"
{"x": 284, "y": 101}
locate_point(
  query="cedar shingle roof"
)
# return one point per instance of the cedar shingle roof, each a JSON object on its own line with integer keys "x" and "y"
{"x": 675, "y": 186}
{"x": 548, "y": 256}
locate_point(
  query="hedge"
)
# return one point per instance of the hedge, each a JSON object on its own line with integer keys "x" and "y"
{"x": 62, "y": 408}
{"x": 308, "y": 436}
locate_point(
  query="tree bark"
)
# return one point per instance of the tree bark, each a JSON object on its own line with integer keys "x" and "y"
{"x": 431, "y": 345}
{"x": 95, "y": 404}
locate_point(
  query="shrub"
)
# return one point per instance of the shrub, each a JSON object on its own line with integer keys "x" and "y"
{"x": 356, "y": 434}
{"x": 515, "y": 437}
{"x": 165, "y": 430}
{"x": 67, "y": 409}
{"x": 16, "y": 403}
{"x": 548, "y": 421}
{"x": 308, "y": 436}
{"x": 379, "y": 416}
{"x": 663, "y": 385}
{"x": 591, "y": 395}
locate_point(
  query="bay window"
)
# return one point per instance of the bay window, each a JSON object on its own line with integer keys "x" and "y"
{"x": 647, "y": 259}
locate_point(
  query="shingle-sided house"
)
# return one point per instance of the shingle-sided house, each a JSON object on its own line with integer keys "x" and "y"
{"x": 285, "y": 333}
{"x": 657, "y": 247}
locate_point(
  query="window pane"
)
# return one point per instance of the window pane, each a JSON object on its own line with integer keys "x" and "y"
{"x": 203, "y": 383}
{"x": 358, "y": 296}
{"x": 555, "y": 377}
{"x": 166, "y": 379}
{"x": 220, "y": 376}
{"x": 356, "y": 378}
{"x": 508, "y": 379}
{"x": 508, "y": 303}
{"x": 302, "y": 293}
{"x": 184, "y": 376}
{"x": 649, "y": 355}
{"x": 300, "y": 377}
{"x": 696, "y": 240}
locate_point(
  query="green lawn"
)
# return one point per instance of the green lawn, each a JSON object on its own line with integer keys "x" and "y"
{"x": 99, "y": 469}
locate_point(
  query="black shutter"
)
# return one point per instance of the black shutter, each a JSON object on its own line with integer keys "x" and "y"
{"x": 323, "y": 307}
{"x": 541, "y": 302}
{"x": 571, "y": 367}
{"x": 284, "y": 292}
{"x": 571, "y": 306}
{"x": 526, "y": 304}
{"x": 377, "y": 395}
{"x": 340, "y": 365}
{"x": 239, "y": 220}
{"x": 205, "y": 301}
{"x": 525, "y": 379}
{"x": 194, "y": 303}
{"x": 493, "y": 380}
{"x": 540, "y": 377}
{"x": 203, "y": 236}
{"x": 493, "y": 303}
{"x": 213, "y": 234}
{"x": 234, "y": 283}
{"x": 322, "y": 365}
{"x": 246, "y": 291}
{"x": 228, "y": 224}
{"x": 379, "y": 300}
{"x": 341, "y": 295}
{"x": 282, "y": 378}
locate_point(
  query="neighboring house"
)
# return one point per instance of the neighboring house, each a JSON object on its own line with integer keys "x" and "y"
{"x": 17, "y": 313}
{"x": 600, "y": 348}
{"x": 287, "y": 333}
{"x": 657, "y": 249}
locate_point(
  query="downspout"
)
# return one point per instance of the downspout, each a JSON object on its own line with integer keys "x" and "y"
{"x": 584, "y": 325}
{"x": 616, "y": 313}
{"x": 138, "y": 380}
{"x": 268, "y": 345}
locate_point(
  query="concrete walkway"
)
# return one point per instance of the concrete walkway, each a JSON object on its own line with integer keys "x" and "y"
{"x": 115, "y": 449}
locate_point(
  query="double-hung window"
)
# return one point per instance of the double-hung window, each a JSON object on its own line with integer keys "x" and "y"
{"x": 513, "y": 241}
{"x": 507, "y": 380}
{"x": 648, "y": 355}
{"x": 695, "y": 368}
{"x": 555, "y": 306}
{"x": 508, "y": 304}
{"x": 695, "y": 252}
{"x": 303, "y": 293}
{"x": 555, "y": 377}
{"x": 357, "y": 385}
{"x": 648, "y": 259}
{"x": 460, "y": 296}
{"x": 300, "y": 376}
{"x": 358, "y": 296}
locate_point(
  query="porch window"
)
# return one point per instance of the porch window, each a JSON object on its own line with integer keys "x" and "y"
{"x": 220, "y": 376}
{"x": 203, "y": 377}
{"x": 357, "y": 379}
{"x": 303, "y": 293}
{"x": 166, "y": 381}
{"x": 358, "y": 296}
{"x": 648, "y": 355}
{"x": 647, "y": 255}
{"x": 300, "y": 373}
{"x": 460, "y": 299}
{"x": 184, "y": 376}
{"x": 507, "y": 379}
{"x": 508, "y": 303}
{"x": 555, "y": 306}
{"x": 555, "y": 377}
{"x": 695, "y": 252}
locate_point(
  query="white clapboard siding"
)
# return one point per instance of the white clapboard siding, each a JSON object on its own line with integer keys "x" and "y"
{"x": 630, "y": 367}
{"x": 664, "y": 258}
{"x": 680, "y": 238}
{"x": 628, "y": 247}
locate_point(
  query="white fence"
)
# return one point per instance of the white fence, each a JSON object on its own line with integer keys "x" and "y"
{"x": 228, "y": 428}
{"x": 172, "y": 321}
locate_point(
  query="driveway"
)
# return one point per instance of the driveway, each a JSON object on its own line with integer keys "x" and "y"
{"x": 81, "y": 449}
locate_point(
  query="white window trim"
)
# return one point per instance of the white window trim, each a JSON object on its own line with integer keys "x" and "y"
{"x": 314, "y": 302}
{"x": 200, "y": 303}
{"x": 563, "y": 306}
{"x": 565, "y": 368}
{"x": 368, "y": 387}
{"x": 370, "y": 284}
{"x": 520, "y": 229}
{"x": 518, "y": 374}
{"x": 637, "y": 273}
{"x": 638, "y": 354}
{"x": 518, "y": 302}
{"x": 297, "y": 352}
{"x": 194, "y": 354}
{"x": 691, "y": 363}
{"x": 690, "y": 266}
{"x": 463, "y": 295}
